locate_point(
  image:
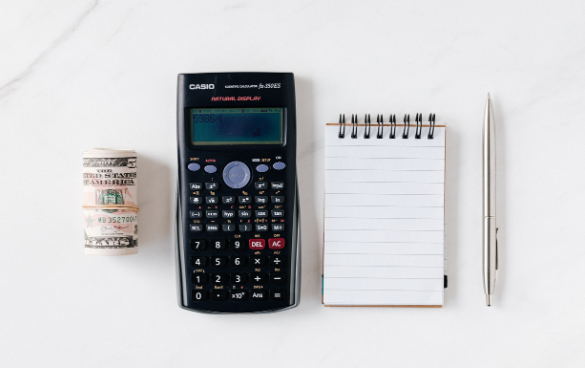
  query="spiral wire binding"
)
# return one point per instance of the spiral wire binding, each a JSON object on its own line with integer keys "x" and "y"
{"x": 431, "y": 126}
{"x": 380, "y": 121}
{"x": 392, "y": 121}
{"x": 418, "y": 132}
{"x": 406, "y": 126}
{"x": 392, "y": 126}
{"x": 354, "y": 126}
{"x": 368, "y": 123}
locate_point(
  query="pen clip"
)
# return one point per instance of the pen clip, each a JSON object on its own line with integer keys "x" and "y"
{"x": 497, "y": 248}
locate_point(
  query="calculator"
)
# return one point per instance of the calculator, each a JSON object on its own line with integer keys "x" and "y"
{"x": 238, "y": 215}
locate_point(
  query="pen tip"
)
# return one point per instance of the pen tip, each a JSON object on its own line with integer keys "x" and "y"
{"x": 488, "y": 95}
{"x": 488, "y": 300}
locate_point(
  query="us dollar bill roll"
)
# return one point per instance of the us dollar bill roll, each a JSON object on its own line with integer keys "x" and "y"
{"x": 110, "y": 201}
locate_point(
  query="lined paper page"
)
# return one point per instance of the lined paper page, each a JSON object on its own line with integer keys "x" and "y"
{"x": 384, "y": 218}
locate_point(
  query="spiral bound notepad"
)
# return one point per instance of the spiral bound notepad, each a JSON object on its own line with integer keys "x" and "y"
{"x": 384, "y": 213}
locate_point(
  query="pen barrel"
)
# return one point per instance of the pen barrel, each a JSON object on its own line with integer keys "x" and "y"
{"x": 489, "y": 162}
{"x": 490, "y": 254}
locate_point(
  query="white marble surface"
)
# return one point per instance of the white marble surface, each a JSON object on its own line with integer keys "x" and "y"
{"x": 81, "y": 74}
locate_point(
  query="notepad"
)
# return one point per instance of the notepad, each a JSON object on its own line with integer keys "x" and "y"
{"x": 384, "y": 215}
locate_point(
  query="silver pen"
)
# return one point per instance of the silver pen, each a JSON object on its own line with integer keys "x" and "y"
{"x": 489, "y": 236}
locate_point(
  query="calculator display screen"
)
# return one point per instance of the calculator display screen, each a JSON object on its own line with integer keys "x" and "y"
{"x": 227, "y": 126}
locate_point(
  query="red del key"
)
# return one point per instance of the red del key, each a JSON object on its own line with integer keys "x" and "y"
{"x": 276, "y": 243}
{"x": 257, "y": 244}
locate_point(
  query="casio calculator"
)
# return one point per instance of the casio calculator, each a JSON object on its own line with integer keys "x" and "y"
{"x": 238, "y": 247}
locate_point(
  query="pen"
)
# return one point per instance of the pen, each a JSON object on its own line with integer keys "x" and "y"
{"x": 489, "y": 236}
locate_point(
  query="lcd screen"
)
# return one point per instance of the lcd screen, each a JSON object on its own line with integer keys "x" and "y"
{"x": 236, "y": 126}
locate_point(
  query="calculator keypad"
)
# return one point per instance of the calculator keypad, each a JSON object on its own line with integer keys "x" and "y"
{"x": 238, "y": 250}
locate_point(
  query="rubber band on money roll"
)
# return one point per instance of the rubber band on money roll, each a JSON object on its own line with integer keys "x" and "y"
{"x": 111, "y": 207}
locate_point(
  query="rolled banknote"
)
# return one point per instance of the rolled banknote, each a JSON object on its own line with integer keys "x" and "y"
{"x": 110, "y": 201}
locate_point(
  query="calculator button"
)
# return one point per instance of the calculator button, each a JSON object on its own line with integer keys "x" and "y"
{"x": 236, "y": 174}
{"x": 261, "y": 185}
{"x": 258, "y": 294}
{"x": 218, "y": 244}
{"x": 261, "y": 200}
{"x": 261, "y": 227}
{"x": 238, "y": 278}
{"x": 197, "y": 244}
{"x": 212, "y": 214}
{"x": 228, "y": 227}
{"x": 212, "y": 200}
{"x": 277, "y": 277}
{"x": 245, "y": 227}
{"x": 198, "y": 261}
{"x": 228, "y": 199}
{"x": 262, "y": 168}
{"x": 212, "y": 227}
{"x": 237, "y": 244}
{"x": 193, "y": 166}
{"x": 276, "y": 243}
{"x": 244, "y": 199}
{"x": 199, "y": 295}
{"x": 277, "y": 227}
{"x": 211, "y": 186}
{"x": 261, "y": 213}
{"x": 277, "y": 213}
{"x": 239, "y": 295}
{"x": 199, "y": 278}
{"x": 277, "y": 185}
{"x": 196, "y": 227}
{"x": 195, "y": 214}
{"x": 277, "y": 199}
{"x": 210, "y": 169}
{"x": 195, "y": 200}
{"x": 228, "y": 214}
{"x": 219, "y": 261}
{"x": 195, "y": 186}
{"x": 279, "y": 165}
{"x": 219, "y": 295}
{"x": 257, "y": 261}
{"x": 238, "y": 261}
{"x": 219, "y": 278}
{"x": 277, "y": 261}
{"x": 258, "y": 278}
{"x": 244, "y": 213}
{"x": 257, "y": 244}
{"x": 277, "y": 294}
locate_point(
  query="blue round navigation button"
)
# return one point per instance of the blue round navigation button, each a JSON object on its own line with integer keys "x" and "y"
{"x": 210, "y": 169}
{"x": 193, "y": 166}
{"x": 279, "y": 165}
{"x": 236, "y": 174}
{"x": 262, "y": 168}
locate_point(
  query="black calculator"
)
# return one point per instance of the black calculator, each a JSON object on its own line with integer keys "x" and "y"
{"x": 238, "y": 227}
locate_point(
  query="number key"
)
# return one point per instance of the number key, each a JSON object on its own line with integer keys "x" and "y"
{"x": 219, "y": 278}
{"x": 199, "y": 278}
{"x": 218, "y": 244}
{"x": 199, "y": 295}
{"x": 219, "y": 261}
{"x": 238, "y": 261}
{"x": 198, "y": 261}
{"x": 239, "y": 278}
{"x": 197, "y": 244}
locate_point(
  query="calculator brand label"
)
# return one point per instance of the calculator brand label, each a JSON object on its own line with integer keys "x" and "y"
{"x": 202, "y": 86}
